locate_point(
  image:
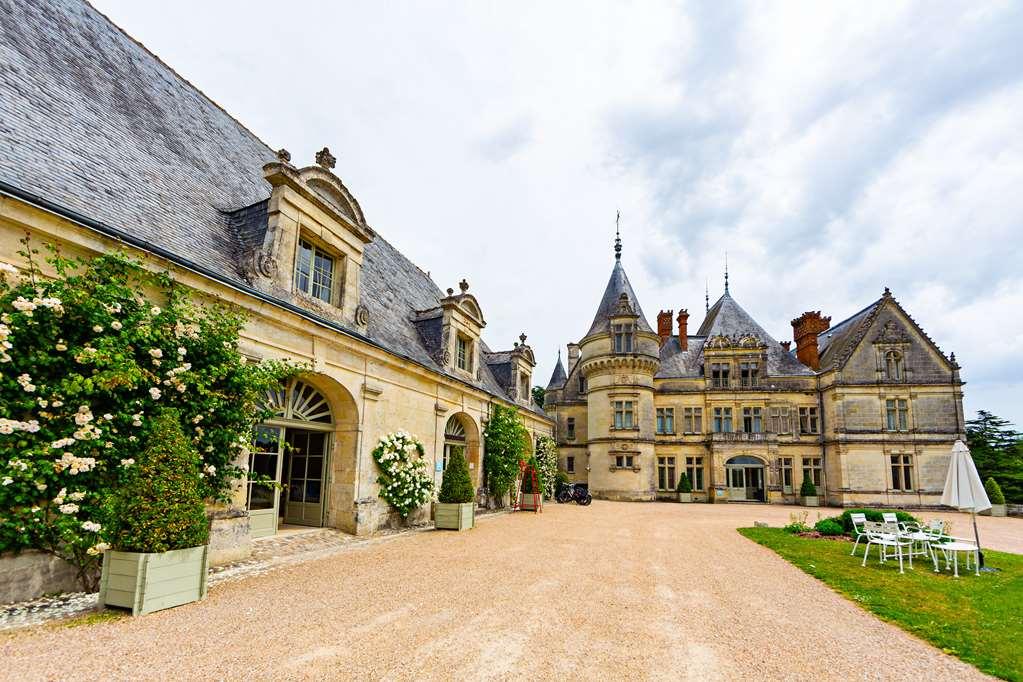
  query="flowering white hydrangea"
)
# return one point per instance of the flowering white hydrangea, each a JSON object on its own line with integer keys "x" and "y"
{"x": 98, "y": 548}
{"x": 91, "y": 527}
{"x": 404, "y": 481}
{"x": 68, "y": 508}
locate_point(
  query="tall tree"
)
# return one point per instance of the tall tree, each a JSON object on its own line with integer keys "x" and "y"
{"x": 997, "y": 450}
{"x": 538, "y": 396}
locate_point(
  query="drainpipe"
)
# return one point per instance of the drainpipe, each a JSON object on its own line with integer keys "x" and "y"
{"x": 824, "y": 449}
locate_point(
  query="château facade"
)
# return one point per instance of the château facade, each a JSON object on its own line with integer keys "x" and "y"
{"x": 867, "y": 409}
{"x": 106, "y": 148}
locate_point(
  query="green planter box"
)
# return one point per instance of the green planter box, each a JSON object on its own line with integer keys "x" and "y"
{"x": 453, "y": 516}
{"x": 150, "y": 582}
{"x": 810, "y": 501}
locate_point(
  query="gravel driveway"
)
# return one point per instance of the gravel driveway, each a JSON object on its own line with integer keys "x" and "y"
{"x": 612, "y": 591}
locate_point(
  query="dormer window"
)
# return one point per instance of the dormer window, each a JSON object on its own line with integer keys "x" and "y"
{"x": 314, "y": 272}
{"x": 719, "y": 372}
{"x": 748, "y": 373}
{"x": 582, "y": 384}
{"x": 524, "y": 390}
{"x": 623, "y": 337}
{"x": 893, "y": 365}
{"x": 463, "y": 354}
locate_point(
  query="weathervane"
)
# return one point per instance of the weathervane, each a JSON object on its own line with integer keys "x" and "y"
{"x": 618, "y": 237}
{"x": 726, "y": 272}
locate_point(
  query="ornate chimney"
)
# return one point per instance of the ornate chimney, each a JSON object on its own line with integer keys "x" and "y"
{"x": 805, "y": 329}
{"x": 787, "y": 346}
{"x": 664, "y": 325}
{"x": 683, "y": 329}
{"x": 573, "y": 356}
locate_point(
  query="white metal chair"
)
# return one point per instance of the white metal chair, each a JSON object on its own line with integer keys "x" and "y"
{"x": 893, "y": 518}
{"x": 857, "y": 523}
{"x": 923, "y": 536}
{"x": 886, "y": 537}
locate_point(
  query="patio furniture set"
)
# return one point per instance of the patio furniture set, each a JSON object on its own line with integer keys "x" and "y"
{"x": 906, "y": 540}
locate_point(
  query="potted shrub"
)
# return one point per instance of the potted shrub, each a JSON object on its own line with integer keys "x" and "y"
{"x": 808, "y": 493}
{"x": 158, "y": 529}
{"x": 455, "y": 508}
{"x": 684, "y": 488}
{"x": 527, "y": 502}
{"x": 994, "y": 493}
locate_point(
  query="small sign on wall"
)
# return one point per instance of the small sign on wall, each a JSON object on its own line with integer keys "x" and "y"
{"x": 472, "y": 465}
{"x": 438, "y": 465}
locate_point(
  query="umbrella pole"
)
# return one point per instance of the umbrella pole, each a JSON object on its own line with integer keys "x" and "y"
{"x": 976, "y": 536}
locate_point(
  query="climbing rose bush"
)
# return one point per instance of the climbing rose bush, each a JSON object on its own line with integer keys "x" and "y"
{"x": 88, "y": 356}
{"x": 404, "y": 480}
{"x": 547, "y": 464}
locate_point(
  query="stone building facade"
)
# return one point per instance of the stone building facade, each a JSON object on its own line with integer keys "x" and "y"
{"x": 867, "y": 409}
{"x": 105, "y": 147}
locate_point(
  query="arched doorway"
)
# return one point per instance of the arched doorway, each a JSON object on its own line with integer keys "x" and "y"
{"x": 745, "y": 477}
{"x": 460, "y": 433}
{"x": 292, "y": 450}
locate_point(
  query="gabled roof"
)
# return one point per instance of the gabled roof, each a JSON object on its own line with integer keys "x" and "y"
{"x": 95, "y": 124}
{"x": 617, "y": 285}
{"x": 559, "y": 377}
{"x": 836, "y": 345}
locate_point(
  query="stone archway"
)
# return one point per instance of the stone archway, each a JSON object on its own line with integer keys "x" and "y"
{"x": 745, "y": 476}
{"x": 311, "y": 444}
{"x": 461, "y": 430}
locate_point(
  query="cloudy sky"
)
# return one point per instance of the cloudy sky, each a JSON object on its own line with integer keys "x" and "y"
{"x": 831, "y": 149}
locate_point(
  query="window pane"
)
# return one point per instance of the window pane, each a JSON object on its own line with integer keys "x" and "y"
{"x": 303, "y": 266}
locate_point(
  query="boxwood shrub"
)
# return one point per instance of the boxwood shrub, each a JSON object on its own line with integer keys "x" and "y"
{"x": 872, "y": 515}
{"x": 829, "y": 527}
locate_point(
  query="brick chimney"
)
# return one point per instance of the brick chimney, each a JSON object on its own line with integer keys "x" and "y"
{"x": 683, "y": 329}
{"x": 805, "y": 329}
{"x": 664, "y": 325}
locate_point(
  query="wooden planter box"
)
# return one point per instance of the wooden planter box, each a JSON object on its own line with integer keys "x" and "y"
{"x": 810, "y": 501}
{"x": 685, "y": 497}
{"x": 453, "y": 516}
{"x": 997, "y": 510}
{"x": 150, "y": 582}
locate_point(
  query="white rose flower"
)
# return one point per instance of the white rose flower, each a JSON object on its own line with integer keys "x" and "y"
{"x": 155, "y": 310}
{"x": 155, "y": 392}
{"x": 97, "y": 328}
{"x": 115, "y": 325}
{"x": 61, "y": 347}
{"x": 7, "y": 480}
{"x": 68, "y": 508}
{"x": 91, "y": 526}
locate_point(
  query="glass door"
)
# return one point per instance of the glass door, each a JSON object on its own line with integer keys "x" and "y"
{"x": 304, "y": 489}
{"x": 754, "y": 483}
{"x": 263, "y": 498}
{"x": 736, "y": 483}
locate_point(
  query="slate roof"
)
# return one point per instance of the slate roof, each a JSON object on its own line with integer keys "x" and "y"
{"x": 616, "y": 286}
{"x": 558, "y": 377}
{"x": 725, "y": 318}
{"x": 93, "y": 122}
{"x": 833, "y": 343}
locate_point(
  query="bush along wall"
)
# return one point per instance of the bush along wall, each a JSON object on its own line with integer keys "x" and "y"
{"x": 505, "y": 444}
{"x": 547, "y": 464}
{"x": 88, "y": 356}
{"x": 404, "y": 481}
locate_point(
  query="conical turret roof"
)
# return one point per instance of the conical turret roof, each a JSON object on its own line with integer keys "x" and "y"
{"x": 616, "y": 286}
{"x": 559, "y": 377}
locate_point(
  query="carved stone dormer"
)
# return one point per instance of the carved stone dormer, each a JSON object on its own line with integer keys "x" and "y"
{"x": 312, "y": 249}
{"x": 452, "y": 332}
{"x": 522, "y": 363}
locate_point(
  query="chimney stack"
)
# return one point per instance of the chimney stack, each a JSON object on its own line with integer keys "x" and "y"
{"x": 805, "y": 329}
{"x": 787, "y": 345}
{"x": 683, "y": 329}
{"x": 664, "y": 325}
{"x": 573, "y": 356}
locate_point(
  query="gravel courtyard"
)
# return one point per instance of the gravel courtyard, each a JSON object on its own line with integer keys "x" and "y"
{"x": 612, "y": 591}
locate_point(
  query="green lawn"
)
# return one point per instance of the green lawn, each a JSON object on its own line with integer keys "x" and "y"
{"x": 978, "y": 619}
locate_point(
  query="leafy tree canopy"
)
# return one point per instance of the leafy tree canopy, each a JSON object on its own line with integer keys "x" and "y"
{"x": 997, "y": 450}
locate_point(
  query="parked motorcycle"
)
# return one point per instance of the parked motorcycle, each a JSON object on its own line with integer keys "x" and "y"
{"x": 571, "y": 491}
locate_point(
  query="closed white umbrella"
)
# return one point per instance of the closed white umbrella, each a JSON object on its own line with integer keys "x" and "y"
{"x": 963, "y": 487}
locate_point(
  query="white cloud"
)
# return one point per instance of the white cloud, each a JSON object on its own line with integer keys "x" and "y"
{"x": 830, "y": 149}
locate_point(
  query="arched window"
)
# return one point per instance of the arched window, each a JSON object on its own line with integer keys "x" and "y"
{"x": 454, "y": 438}
{"x": 893, "y": 365}
{"x": 298, "y": 401}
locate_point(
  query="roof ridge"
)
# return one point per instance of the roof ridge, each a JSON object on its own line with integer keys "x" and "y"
{"x": 177, "y": 75}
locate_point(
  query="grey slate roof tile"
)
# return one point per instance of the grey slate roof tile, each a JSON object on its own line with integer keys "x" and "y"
{"x": 617, "y": 285}
{"x": 94, "y": 122}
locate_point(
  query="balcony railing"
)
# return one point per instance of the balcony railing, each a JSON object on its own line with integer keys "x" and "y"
{"x": 740, "y": 437}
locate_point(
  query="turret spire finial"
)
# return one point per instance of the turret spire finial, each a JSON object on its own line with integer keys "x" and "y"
{"x": 726, "y": 272}
{"x": 618, "y": 237}
{"x": 706, "y": 296}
